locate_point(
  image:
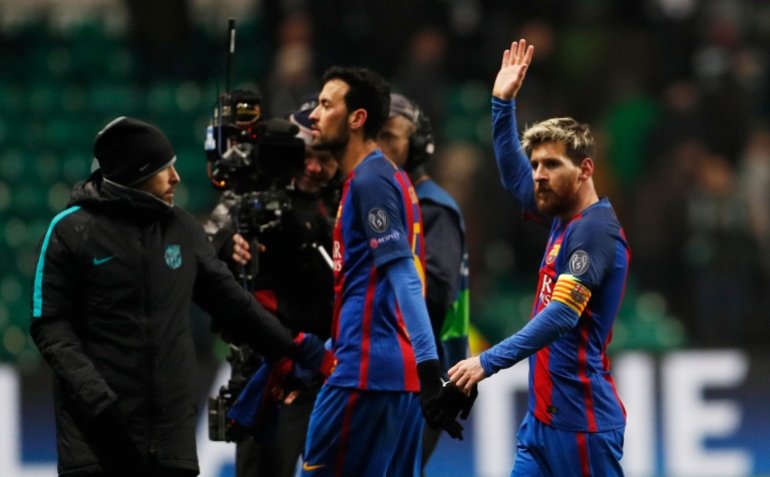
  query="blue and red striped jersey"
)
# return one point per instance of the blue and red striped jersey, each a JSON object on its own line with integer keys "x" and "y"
{"x": 570, "y": 383}
{"x": 378, "y": 222}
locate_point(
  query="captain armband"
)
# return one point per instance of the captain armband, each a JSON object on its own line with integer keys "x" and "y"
{"x": 569, "y": 291}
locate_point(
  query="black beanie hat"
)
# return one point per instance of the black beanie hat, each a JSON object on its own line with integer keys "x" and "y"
{"x": 130, "y": 151}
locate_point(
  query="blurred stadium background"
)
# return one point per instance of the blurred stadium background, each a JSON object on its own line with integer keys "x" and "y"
{"x": 677, "y": 91}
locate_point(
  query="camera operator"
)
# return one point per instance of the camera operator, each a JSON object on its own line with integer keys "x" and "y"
{"x": 294, "y": 280}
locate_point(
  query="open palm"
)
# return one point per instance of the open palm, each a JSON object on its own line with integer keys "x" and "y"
{"x": 513, "y": 70}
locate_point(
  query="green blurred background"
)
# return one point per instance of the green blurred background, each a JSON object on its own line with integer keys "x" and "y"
{"x": 652, "y": 77}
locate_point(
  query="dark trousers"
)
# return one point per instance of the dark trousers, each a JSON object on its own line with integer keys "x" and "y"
{"x": 159, "y": 472}
{"x": 430, "y": 438}
{"x": 277, "y": 457}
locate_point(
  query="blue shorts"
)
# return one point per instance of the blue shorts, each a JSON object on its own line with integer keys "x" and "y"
{"x": 543, "y": 451}
{"x": 364, "y": 434}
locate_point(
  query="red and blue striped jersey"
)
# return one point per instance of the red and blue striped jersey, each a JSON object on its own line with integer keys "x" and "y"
{"x": 571, "y": 387}
{"x": 570, "y": 383}
{"x": 378, "y": 222}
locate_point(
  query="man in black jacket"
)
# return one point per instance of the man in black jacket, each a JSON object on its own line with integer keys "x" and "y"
{"x": 116, "y": 274}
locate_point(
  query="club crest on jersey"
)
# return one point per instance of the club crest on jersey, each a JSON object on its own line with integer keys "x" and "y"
{"x": 413, "y": 195}
{"x": 578, "y": 263}
{"x": 552, "y": 254}
{"x": 173, "y": 256}
{"x": 579, "y": 294}
{"x": 378, "y": 220}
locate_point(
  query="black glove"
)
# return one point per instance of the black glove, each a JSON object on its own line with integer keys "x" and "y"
{"x": 112, "y": 445}
{"x": 437, "y": 413}
{"x": 455, "y": 401}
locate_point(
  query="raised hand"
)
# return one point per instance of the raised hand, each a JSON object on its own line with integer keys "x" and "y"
{"x": 513, "y": 70}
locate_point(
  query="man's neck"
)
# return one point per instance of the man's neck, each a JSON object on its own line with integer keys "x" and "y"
{"x": 354, "y": 153}
{"x": 587, "y": 199}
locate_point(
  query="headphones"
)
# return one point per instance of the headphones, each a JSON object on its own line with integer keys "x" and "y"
{"x": 421, "y": 142}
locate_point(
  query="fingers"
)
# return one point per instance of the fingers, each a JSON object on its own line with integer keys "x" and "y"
{"x": 453, "y": 428}
{"x": 291, "y": 396}
{"x": 462, "y": 375}
{"x": 447, "y": 423}
{"x": 459, "y": 381}
{"x": 241, "y": 242}
{"x": 519, "y": 54}
{"x": 465, "y": 385}
{"x": 241, "y": 253}
{"x": 465, "y": 382}
{"x": 528, "y": 55}
{"x": 457, "y": 375}
{"x": 521, "y": 51}
{"x": 454, "y": 369}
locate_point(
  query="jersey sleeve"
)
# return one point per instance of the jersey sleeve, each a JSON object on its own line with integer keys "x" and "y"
{"x": 381, "y": 210}
{"x": 551, "y": 323}
{"x": 589, "y": 252}
{"x": 512, "y": 163}
{"x": 407, "y": 287}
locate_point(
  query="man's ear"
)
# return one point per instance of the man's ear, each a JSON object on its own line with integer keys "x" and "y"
{"x": 357, "y": 119}
{"x": 586, "y": 168}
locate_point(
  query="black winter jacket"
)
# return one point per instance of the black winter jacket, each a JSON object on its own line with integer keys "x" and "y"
{"x": 116, "y": 275}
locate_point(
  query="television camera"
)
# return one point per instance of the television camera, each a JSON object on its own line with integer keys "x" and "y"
{"x": 253, "y": 162}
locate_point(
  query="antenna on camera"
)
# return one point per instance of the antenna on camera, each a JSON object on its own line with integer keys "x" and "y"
{"x": 230, "y": 54}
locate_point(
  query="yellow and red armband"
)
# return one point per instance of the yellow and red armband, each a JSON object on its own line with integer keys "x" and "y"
{"x": 569, "y": 291}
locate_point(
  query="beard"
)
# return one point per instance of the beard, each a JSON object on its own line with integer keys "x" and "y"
{"x": 553, "y": 203}
{"x": 333, "y": 143}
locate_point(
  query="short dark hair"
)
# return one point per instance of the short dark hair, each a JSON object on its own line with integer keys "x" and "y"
{"x": 575, "y": 136}
{"x": 368, "y": 91}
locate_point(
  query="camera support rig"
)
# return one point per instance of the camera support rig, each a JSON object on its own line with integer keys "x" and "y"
{"x": 253, "y": 162}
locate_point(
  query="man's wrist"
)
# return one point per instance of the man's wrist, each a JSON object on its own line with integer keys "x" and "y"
{"x": 429, "y": 372}
{"x": 503, "y": 103}
{"x": 489, "y": 370}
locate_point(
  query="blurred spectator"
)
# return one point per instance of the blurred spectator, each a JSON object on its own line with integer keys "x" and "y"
{"x": 658, "y": 230}
{"x": 160, "y": 32}
{"x": 729, "y": 75}
{"x": 628, "y": 123}
{"x": 292, "y": 76}
{"x": 423, "y": 73}
{"x": 755, "y": 182}
{"x": 720, "y": 255}
{"x": 681, "y": 120}
{"x": 755, "y": 177}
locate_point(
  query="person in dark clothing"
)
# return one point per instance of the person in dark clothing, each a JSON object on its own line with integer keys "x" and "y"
{"x": 295, "y": 282}
{"x": 117, "y": 272}
{"x": 407, "y": 140}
